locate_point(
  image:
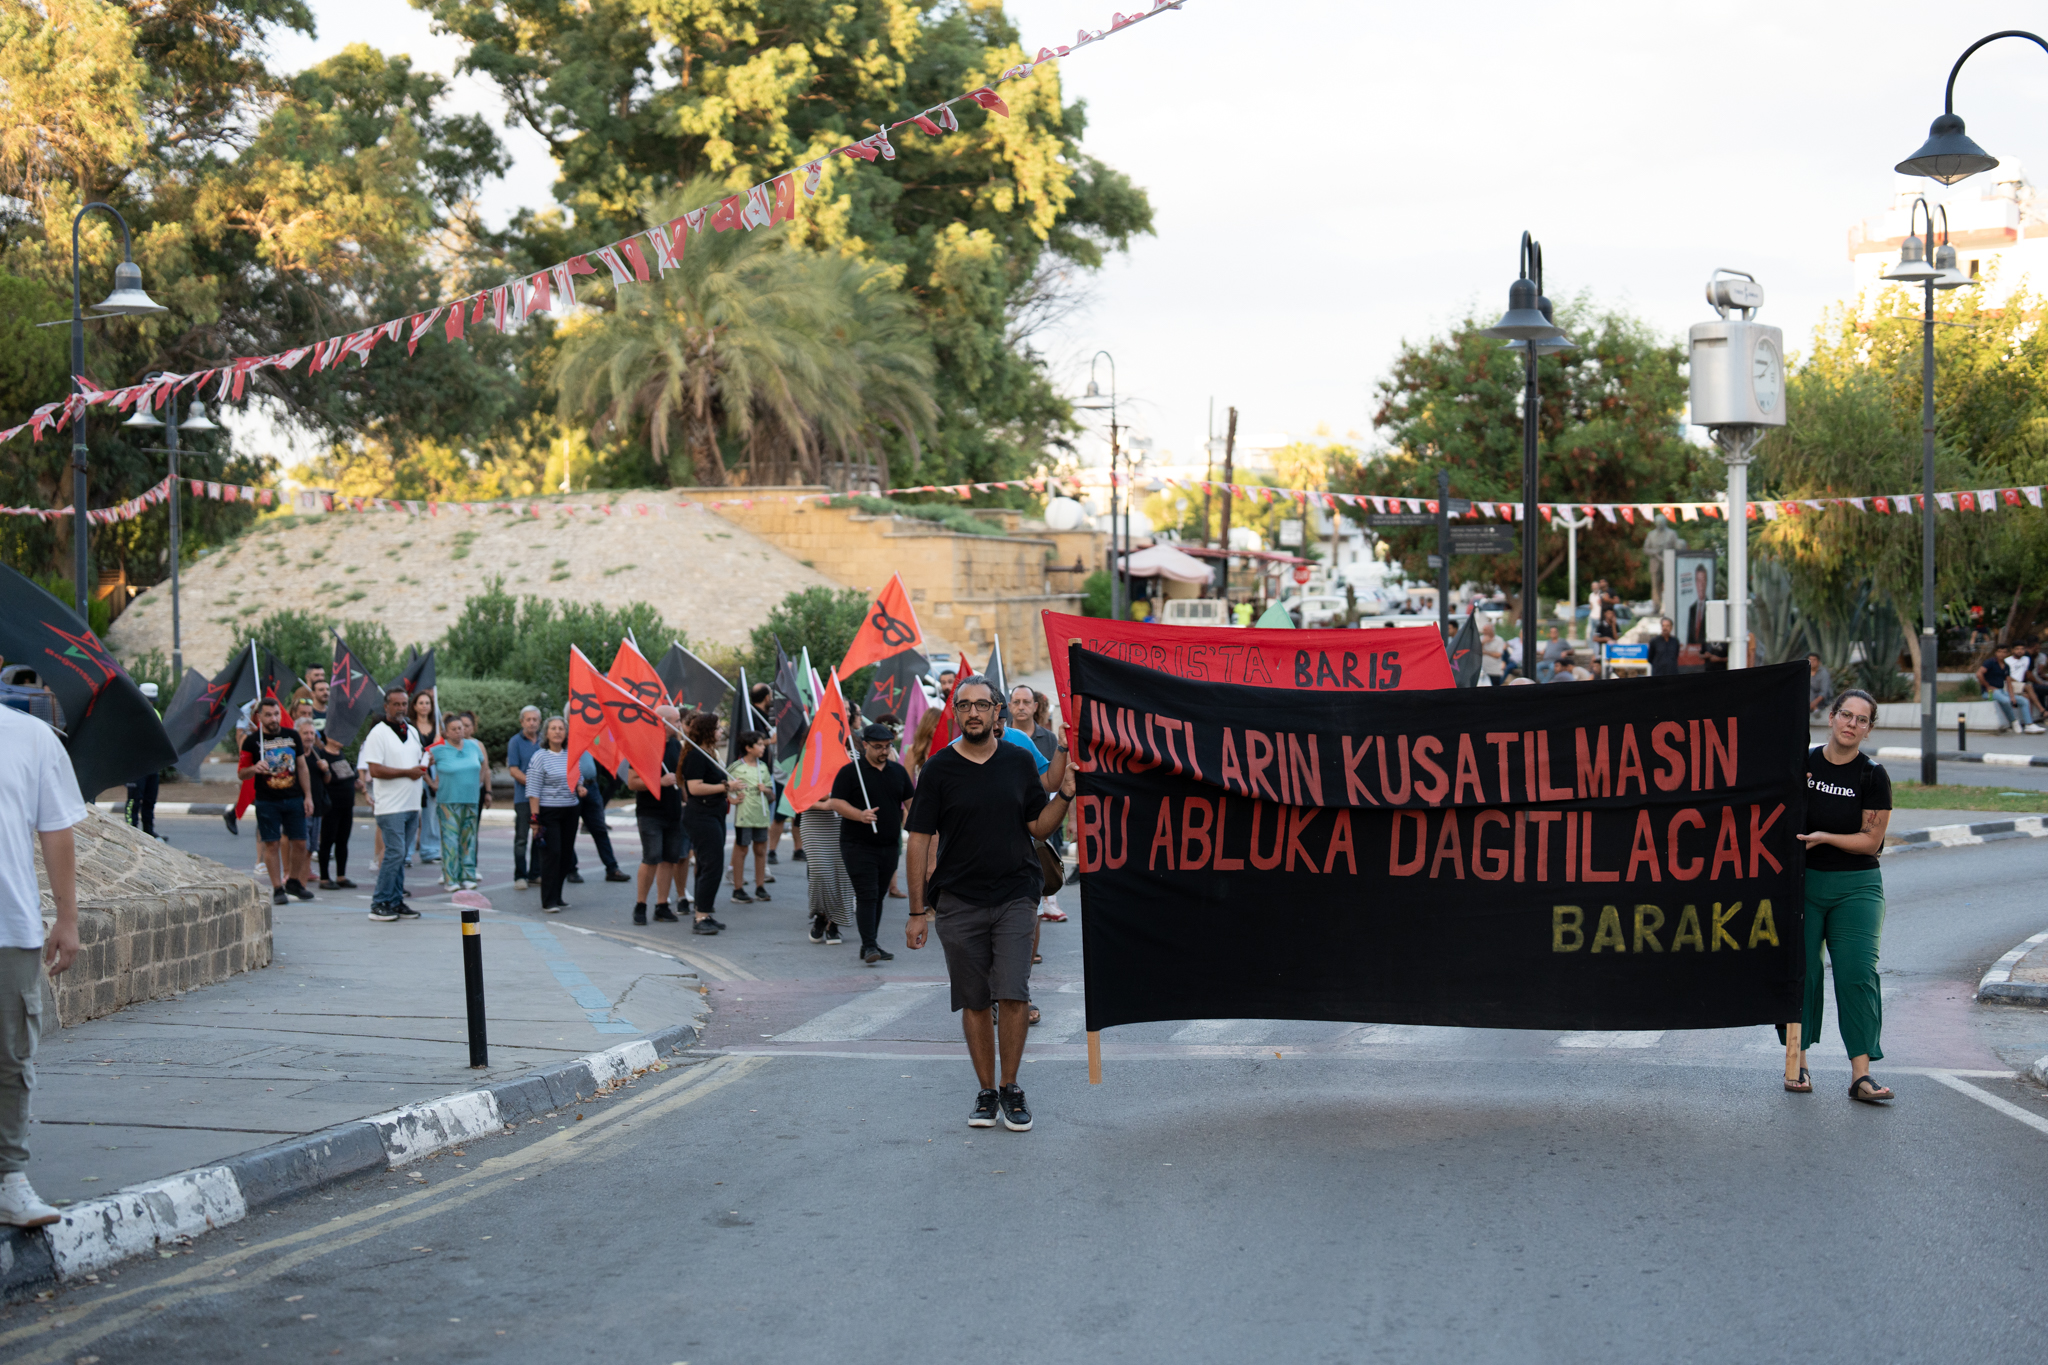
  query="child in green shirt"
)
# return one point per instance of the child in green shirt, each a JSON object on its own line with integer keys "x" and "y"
{"x": 754, "y": 784}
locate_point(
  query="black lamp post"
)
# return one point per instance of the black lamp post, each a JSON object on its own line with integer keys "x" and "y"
{"x": 1528, "y": 321}
{"x": 1948, "y": 156}
{"x": 126, "y": 300}
{"x": 195, "y": 421}
{"x": 1095, "y": 399}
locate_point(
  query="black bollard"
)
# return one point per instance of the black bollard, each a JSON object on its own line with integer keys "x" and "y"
{"x": 1962, "y": 732}
{"x": 473, "y": 985}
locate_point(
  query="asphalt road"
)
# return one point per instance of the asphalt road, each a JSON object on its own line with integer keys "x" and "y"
{"x": 806, "y": 1189}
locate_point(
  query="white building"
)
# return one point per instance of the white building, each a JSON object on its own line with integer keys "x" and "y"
{"x": 1997, "y": 223}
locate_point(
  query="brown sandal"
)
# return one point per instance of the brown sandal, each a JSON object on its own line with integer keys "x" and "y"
{"x": 1802, "y": 1086}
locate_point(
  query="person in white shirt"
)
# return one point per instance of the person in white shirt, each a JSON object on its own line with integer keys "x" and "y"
{"x": 1492, "y": 655}
{"x": 39, "y": 793}
{"x": 391, "y": 756}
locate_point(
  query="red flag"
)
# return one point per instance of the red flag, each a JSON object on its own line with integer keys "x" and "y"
{"x": 639, "y": 734}
{"x": 589, "y": 722}
{"x": 631, "y": 671}
{"x": 825, "y": 752}
{"x": 943, "y": 735}
{"x": 890, "y": 628}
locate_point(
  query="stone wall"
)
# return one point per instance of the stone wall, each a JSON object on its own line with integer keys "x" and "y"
{"x": 966, "y": 589}
{"x": 152, "y": 921}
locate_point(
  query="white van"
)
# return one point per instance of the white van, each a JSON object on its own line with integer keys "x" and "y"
{"x": 1195, "y": 611}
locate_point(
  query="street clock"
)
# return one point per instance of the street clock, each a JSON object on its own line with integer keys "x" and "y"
{"x": 1738, "y": 364}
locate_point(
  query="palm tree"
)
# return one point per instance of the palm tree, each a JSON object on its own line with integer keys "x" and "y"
{"x": 797, "y": 359}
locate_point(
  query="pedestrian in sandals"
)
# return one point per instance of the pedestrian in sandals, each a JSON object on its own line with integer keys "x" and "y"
{"x": 1848, "y": 808}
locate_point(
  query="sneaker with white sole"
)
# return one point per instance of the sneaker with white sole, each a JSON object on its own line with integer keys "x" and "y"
{"x": 383, "y": 914}
{"x": 21, "y": 1206}
{"x": 1016, "y": 1117}
{"x": 983, "y": 1115}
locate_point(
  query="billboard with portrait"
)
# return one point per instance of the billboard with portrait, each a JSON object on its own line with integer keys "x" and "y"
{"x": 1695, "y": 574}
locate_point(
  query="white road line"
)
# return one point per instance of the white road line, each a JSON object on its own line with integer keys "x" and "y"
{"x": 2005, "y": 1107}
{"x": 1060, "y": 1021}
{"x": 1385, "y": 1035}
{"x": 1226, "y": 1031}
{"x": 1615, "y": 1039}
{"x": 863, "y": 1016}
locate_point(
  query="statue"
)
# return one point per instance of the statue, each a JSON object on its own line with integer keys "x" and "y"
{"x": 1660, "y": 539}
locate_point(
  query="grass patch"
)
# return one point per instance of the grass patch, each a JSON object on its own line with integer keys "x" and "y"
{"x": 560, "y": 564}
{"x": 952, "y": 517}
{"x": 463, "y": 540}
{"x": 558, "y": 575}
{"x": 1946, "y": 796}
{"x": 350, "y": 568}
{"x": 355, "y": 595}
{"x": 623, "y": 568}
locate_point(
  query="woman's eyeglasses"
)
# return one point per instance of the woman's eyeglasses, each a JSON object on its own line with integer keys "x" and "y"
{"x": 1856, "y": 721}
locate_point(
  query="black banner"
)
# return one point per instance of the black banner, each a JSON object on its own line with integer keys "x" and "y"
{"x": 1614, "y": 855}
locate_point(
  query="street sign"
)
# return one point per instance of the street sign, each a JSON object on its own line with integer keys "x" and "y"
{"x": 1483, "y": 540}
{"x": 1436, "y": 561}
{"x": 1379, "y": 519}
{"x": 1301, "y": 573}
{"x": 1290, "y": 533}
{"x": 1458, "y": 507}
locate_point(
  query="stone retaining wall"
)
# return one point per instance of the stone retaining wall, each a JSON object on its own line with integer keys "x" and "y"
{"x": 152, "y": 921}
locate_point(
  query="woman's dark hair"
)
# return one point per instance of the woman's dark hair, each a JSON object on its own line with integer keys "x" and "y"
{"x": 1853, "y": 694}
{"x": 702, "y": 728}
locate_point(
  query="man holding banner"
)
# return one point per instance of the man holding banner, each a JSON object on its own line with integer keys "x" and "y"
{"x": 983, "y": 801}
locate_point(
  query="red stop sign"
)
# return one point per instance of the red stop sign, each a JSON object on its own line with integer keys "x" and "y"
{"x": 1301, "y": 573}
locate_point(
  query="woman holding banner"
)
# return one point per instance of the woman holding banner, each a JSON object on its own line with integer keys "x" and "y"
{"x": 1848, "y": 808}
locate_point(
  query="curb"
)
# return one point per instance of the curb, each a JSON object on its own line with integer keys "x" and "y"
{"x": 1904, "y": 755}
{"x": 1958, "y": 836}
{"x": 134, "y": 1221}
{"x": 2039, "y": 1071}
{"x": 1999, "y": 985}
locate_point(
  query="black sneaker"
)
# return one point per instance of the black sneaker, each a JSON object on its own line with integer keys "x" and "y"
{"x": 664, "y": 915}
{"x": 713, "y": 921}
{"x": 576, "y": 877}
{"x": 832, "y": 935}
{"x": 1016, "y": 1117}
{"x": 298, "y": 888}
{"x": 234, "y": 825}
{"x": 871, "y": 955}
{"x": 640, "y": 913}
{"x": 383, "y": 914}
{"x": 884, "y": 955}
{"x": 278, "y": 897}
{"x": 739, "y": 894}
{"x": 705, "y": 926}
{"x": 817, "y": 930}
{"x": 983, "y": 1115}
{"x": 404, "y": 911}
{"x": 612, "y": 874}
{"x": 760, "y": 893}
{"x": 795, "y": 857}
{"x": 773, "y": 861}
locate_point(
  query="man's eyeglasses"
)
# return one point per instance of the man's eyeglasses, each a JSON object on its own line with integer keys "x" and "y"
{"x": 982, "y": 706}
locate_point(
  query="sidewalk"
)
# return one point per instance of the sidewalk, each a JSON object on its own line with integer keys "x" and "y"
{"x": 353, "y": 1019}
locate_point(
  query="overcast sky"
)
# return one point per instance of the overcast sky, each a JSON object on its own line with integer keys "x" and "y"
{"x": 1328, "y": 180}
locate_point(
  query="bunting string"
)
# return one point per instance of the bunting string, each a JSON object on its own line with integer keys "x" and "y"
{"x": 638, "y": 258}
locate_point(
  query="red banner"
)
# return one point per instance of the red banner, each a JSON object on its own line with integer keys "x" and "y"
{"x": 1385, "y": 659}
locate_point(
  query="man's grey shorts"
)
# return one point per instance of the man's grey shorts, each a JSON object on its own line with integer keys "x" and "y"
{"x": 662, "y": 841}
{"x": 988, "y": 949}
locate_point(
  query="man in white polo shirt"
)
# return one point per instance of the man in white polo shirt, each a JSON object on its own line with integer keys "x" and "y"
{"x": 391, "y": 756}
{"x": 39, "y": 793}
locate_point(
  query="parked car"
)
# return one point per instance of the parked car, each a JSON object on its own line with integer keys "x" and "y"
{"x": 1320, "y": 610}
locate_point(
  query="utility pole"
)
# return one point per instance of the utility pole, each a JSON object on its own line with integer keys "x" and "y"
{"x": 1229, "y": 473}
{"x": 1209, "y": 477}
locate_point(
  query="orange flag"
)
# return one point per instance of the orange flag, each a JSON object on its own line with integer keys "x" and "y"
{"x": 631, "y": 671}
{"x": 890, "y": 628}
{"x": 826, "y": 751}
{"x": 943, "y": 735}
{"x": 636, "y": 733}
{"x": 589, "y": 724}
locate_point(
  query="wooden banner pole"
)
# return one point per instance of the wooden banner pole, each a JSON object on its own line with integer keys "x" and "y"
{"x": 1094, "y": 1056}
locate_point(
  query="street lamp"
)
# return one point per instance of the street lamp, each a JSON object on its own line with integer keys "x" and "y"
{"x": 1094, "y": 400}
{"x": 195, "y": 421}
{"x": 127, "y": 300}
{"x": 1948, "y": 155}
{"x": 1920, "y": 263}
{"x": 1528, "y": 320}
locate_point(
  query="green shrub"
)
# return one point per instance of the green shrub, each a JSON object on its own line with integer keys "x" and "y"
{"x": 1095, "y": 590}
{"x": 301, "y": 640}
{"x": 951, "y": 517}
{"x": 528, "y": 642}
{"x": 97, "y": 614}
{"x": 819, "y": 619}
{"x": 497, "y": 703}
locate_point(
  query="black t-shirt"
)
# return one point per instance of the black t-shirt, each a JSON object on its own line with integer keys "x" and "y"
{"x": 887, "y": 789}
{"x": 1837, "y": 794}
{"x": 698, "y": 767}
{"x": 282, "y": 752}
{"x": 979, "y": 811}
{"x": 663, "y": 803}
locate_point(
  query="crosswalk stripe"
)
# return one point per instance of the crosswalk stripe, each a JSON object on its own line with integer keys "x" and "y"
{"x": 864, "y": 1015}
{"x": 1611, "y": 1039}
{"x": 1227, "y": 1031}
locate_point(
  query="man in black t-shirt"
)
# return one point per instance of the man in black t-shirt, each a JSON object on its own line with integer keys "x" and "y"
{"x": 658, "y": 809}
{"x": 275, "y": 761}
{"x": 983, "y": 801}
{"x": 869, "y": 795}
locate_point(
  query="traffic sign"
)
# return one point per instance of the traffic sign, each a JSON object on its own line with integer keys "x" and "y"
{"x": 1482, "y": 540}
{"x": 1378, "y": 519}
{"x": 1301, "y": 574}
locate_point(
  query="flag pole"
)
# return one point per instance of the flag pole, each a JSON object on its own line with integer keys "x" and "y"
{"x": 853, "y": 750}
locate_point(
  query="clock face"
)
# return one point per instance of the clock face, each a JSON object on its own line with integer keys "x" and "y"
{"x": 1767, "y": 375}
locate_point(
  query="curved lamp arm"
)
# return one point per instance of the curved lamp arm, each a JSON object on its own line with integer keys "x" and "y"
{"x": 1948, "y": 99}
{"x": 127, "y": 243}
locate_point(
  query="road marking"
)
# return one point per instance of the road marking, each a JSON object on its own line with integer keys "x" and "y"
{"x": 1648, "y": 1038}
{"x": 1227, "y": 1031}
{"x": 597, "y": 1006}
{"x": 2005, "y": 1107}
{"x": 863, "y": 1015}
{"x": 309, "y": 1244}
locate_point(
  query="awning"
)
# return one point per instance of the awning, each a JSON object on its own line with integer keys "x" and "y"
{"x": 1164, "y": 561}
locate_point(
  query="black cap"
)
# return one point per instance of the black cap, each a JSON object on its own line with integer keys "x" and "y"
{"x": 877, "y": 733}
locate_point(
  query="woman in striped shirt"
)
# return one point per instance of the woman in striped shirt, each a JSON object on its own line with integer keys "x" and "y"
{"x": 551, "y": 797}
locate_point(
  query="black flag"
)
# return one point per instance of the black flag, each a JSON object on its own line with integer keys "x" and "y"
{"x": 1464, "y": 652}
{"x": 353, "y": 696}
{"x": 110, "y": 730}
{"x": 995, "y": 675}
{"x": 193, "y": 705}
{"x": 894, "y": 676}
{"x": 418, "y": 674}
{"x": 691, "y": 681}
{"x": 791, "y": 725}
